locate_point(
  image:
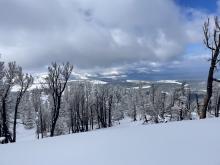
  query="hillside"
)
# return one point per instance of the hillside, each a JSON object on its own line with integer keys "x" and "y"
{"x": 182, "y": 143}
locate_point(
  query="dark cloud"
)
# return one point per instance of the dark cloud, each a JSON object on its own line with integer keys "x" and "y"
{"x": 92, "y": 33}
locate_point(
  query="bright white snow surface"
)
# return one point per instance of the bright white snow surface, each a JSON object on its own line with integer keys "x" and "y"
{"x": 177, "y": 143}
{"x": 169, "y": 81}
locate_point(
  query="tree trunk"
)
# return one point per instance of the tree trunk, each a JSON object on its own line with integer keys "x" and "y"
{"x": 41, "y": 125}
{"x": 5, "y": 129}
{"x": 209, "y": 89}
{"x": 15, "y": 124}
{"x": 135, "y": 113}
{"x": 15, "y": 120}
{"x": 217, "y": 108}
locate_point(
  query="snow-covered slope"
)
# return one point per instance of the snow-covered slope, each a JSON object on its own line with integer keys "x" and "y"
{"x": 169, "y": 82}
{"x": 24, "y": 134}
{"x": 177, "y": 143}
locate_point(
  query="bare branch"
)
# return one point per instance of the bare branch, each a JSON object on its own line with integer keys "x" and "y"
{"x": 207, "y": 35}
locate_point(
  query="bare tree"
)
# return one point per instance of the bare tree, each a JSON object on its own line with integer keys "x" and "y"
{"x": 23, "y": 81}
{"x": 212, "y": 42}
{"x": 9, "y": 79}
{"x": 58, "y": 76}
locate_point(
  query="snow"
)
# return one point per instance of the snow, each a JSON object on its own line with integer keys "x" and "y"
{"x": 98, "y": 82}
{"x": 137, "y": 81}
{"x": 169, "y": 82}
{"x": 16, "y": 88}
{"x": 91, "y": 81}
{"x": 40, "y": 78}
{"x": 24, "y": 135}
{"x": 2, "y": 139}
{"x": 130, "y": 143}
{"x": 38, "y": 81}
{"x": 143, "y": 87}
{"x": 159, "y": 81}
{"x": 146, "y": 86}
{"x": 38, "y": 85}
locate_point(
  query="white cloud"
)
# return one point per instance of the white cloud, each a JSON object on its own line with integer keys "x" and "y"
{"x": 89, "y": 33}
{"x": 97, "y": 35}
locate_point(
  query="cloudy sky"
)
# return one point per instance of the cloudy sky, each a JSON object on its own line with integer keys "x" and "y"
{"x": 156, "y": 39}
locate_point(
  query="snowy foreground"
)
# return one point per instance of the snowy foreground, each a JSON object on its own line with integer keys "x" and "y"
{"x": 177, "y": 143}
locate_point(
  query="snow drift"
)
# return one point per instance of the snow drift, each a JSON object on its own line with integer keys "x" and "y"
{"x": 177, "y": 143}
